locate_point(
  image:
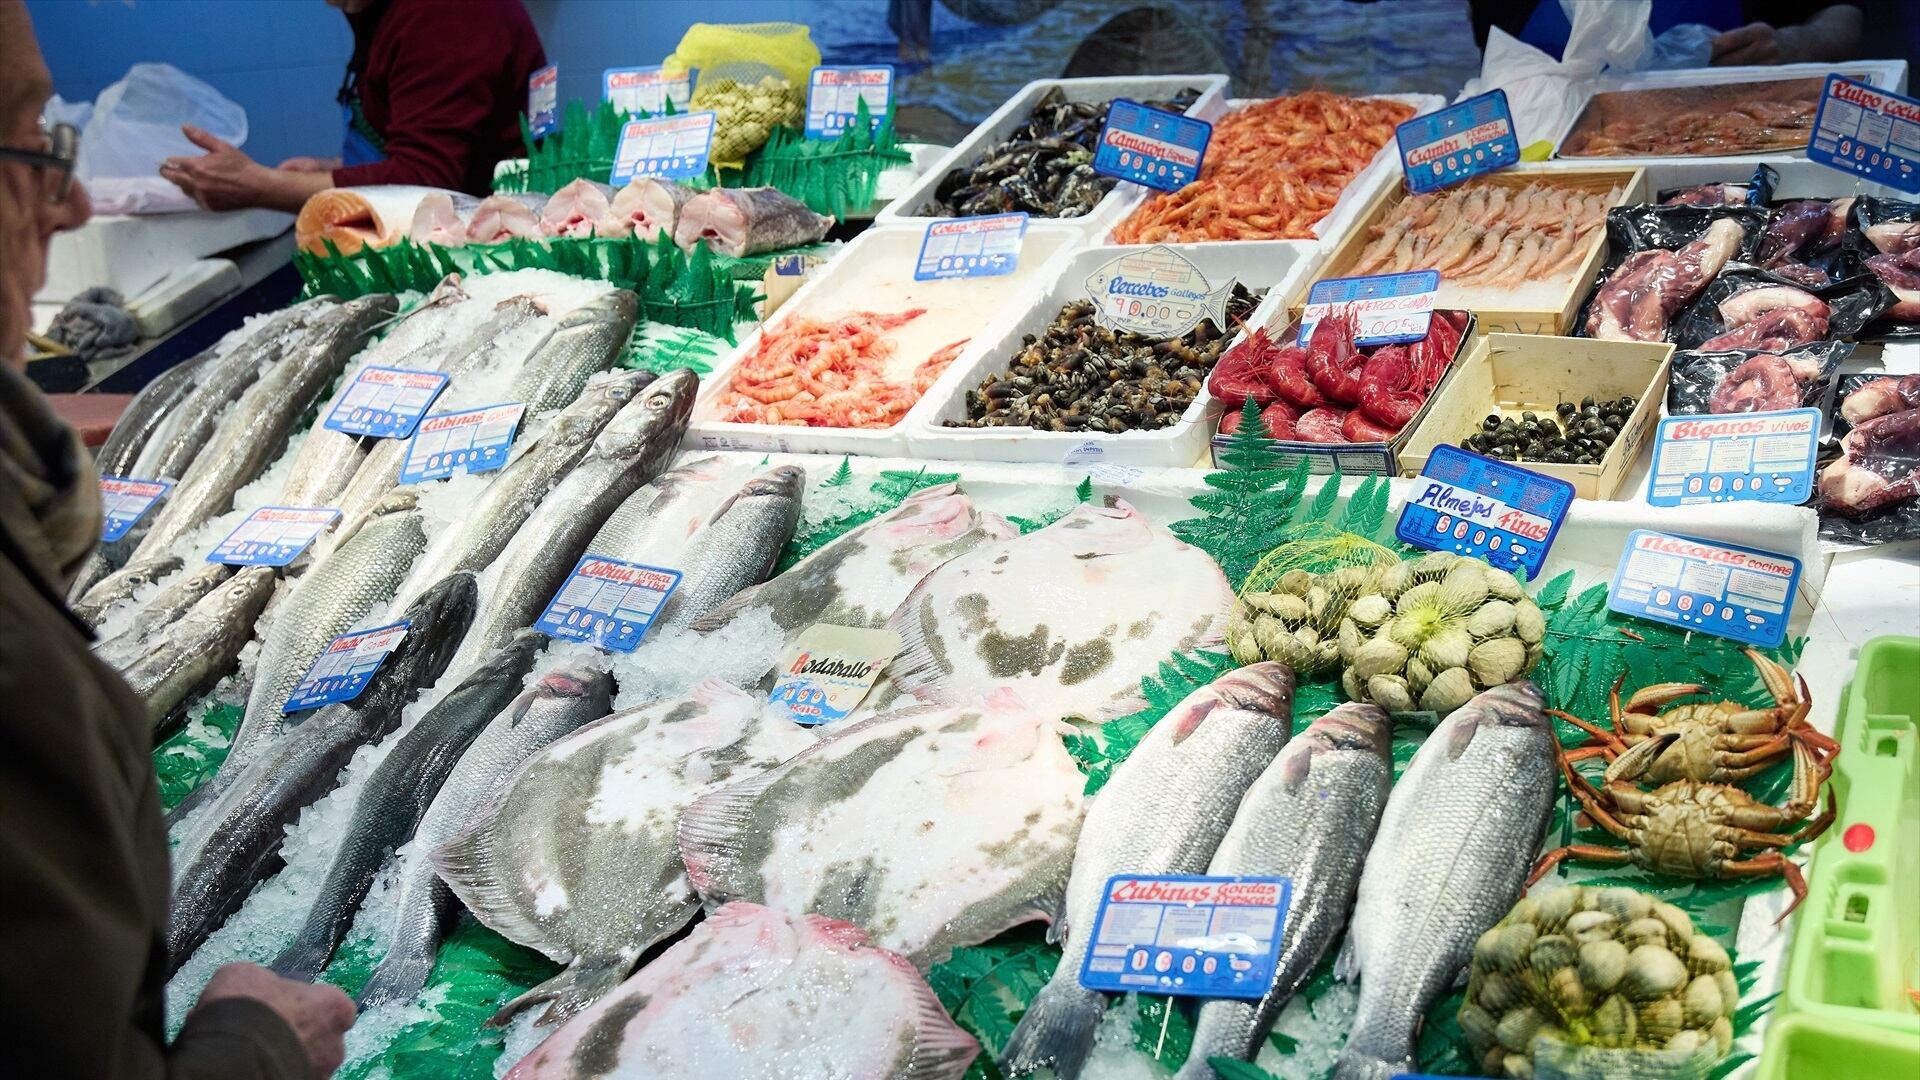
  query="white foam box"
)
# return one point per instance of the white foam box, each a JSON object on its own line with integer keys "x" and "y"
{"x": 912, "y": 206}
{"x": 1276, "y": 266}
{"x": 1798, "y": 177}
{"x": 845, "y": 284}
{"x": 129, "y": 252}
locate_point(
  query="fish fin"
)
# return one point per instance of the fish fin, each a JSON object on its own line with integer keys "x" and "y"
{"x": 710, "y": 835}
{"x": 1346, "y": 966}
{"x": 398, "y": 979}
{"x": 471, "y": 867}
{"x": 916, "y": 668}
{"x": 585, "y": 981}
{"x": 941, "y": 1049}
{"x": 1056, "y": 1032}
{"x": 303, "y": 959}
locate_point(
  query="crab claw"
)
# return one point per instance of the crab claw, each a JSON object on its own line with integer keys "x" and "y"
{"x": 1638, "y": 761}
{"x": 1779, "y": 683}
{"x": 1659, "y": 694}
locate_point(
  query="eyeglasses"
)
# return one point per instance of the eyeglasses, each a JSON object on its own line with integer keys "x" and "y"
{"x": 63, "y": 145}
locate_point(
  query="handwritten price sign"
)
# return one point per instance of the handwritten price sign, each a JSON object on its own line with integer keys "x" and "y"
{"x": 1389, "y": 307}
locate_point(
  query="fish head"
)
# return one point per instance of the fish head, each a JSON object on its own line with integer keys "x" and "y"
{"x": 439, "y": 619}
{"x": 573, "y": 681}
{"x": 1518, "y": 704}
{"x": 780, "y": 482}
{"x": 614, "y": 306}
{"x": 1353, "y": 726}
{"x": 932, "y": 521}
{"x": 666, "y": 404}
{"x": 1265, "y": 688}
{"x": 1093, "y": 530}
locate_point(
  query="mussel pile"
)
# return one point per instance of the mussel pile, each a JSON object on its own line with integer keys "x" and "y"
{"x": 1579, "y": 435}
{"x": 1045, "y": 168}
{"x": 1081, "y": 376}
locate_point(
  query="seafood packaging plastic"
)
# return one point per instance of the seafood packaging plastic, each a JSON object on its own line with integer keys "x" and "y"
{"x": 1747, "y": 381}
{"x": 1273, "y": 170}
{"x": 1044, "y": 168}
{"x": 1696, "y": 121}
{"x": 1879, "y": 464}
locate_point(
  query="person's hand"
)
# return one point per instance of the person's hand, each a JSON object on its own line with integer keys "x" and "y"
{"x": 1754, "y": 43}
{"x": 310, "y": 164}
{"x": 318, "y": 1014}
{"x": 224, "y": 178}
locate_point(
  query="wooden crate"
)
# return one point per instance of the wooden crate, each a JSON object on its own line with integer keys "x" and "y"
{"x": 1515, "y": 373}
{"x": 1557, "y": 319}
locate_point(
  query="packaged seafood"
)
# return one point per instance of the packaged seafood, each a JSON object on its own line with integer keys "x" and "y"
{"x": 852, "y": 353}
{"x": 1661, "y": 259}
{"x": 1745, "y": 307}
{"x": 1884, "y": 239}
{"x": 1696, "y": 121}
{"x": 1273, "y": 170}
{"x": 1870, "y": 494}
{"x": 1745, "y": 380}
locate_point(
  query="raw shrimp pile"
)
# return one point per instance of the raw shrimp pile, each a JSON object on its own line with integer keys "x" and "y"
{"x": 1488, "y": 234}
{"x": 1273, "y": 169}
{"x": 828, "y": 373}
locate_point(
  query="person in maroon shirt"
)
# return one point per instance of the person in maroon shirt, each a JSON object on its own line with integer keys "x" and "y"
{"x": 432, "y": 97}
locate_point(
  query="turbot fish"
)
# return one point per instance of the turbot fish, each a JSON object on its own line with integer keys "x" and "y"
{"x": 576, "y": 854}
{"x": 561, "y": 701}
{"x": 753, "y": 992}
{"x": 1309, "y": 818}
{"x": 190, "y": 656}
{"x": 929, "y": 828}
{"x": 585, "y": 342}
{"x": 863, "y": 576}
{"x": 1070, "y": 617}
{"x": 739, "y": 547}
{"x": 398, "y": 793}
{"x": 1164, "y": 811}
{"x": 239, "y": 846}
{"x": 1456, "y": 841}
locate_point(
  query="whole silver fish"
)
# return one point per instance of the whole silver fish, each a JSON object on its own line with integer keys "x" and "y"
{"x": 218, "y": 865}
{"x": 739, "y": 548}
{"x": 256, "y": 430}
{"x": 173, "y": 600}
{"x": 148, "y": 413}
{"x": 121, "y": 585}
{"x": 1309, "y": 818}
{"x": 534, "y": 469}
{"x": 632, "y": 449}
{"x": 188, "y": 657}
{"x": 562, "y": 701}
{"x": 658, "y": 524}
{"x": 398, "y": 793}
{"x": 1456, "y": 841}
{"x": 585, "y": 342}
{"x": 1164, "y": 811}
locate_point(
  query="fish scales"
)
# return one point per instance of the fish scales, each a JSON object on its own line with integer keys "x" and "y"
{"x": 584, "y": 343}
{"x": 562, "y": 700}
{"x": 576, "y": 855}
{"x": 930, "y": 828}
{"x": 738, "y": 548}
{"x": 170, "y": 602}
{"x": 754, "y": 993}
{"x": 1309, "y": 818}
{"x": 658, "y": 523}
{"x": 196, "y": 652}
{"x": 1070, "y": 617}
{"x": 1165, "y": 810}
{"x": 1458, "y": 836}
{"x": 148, "y": 413}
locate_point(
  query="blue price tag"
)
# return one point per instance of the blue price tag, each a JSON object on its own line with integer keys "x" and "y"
{"x": 971, "y": 247}
{"x": 1192, "y": 936}
{"x": 1460, "y": 141}
{"x": 124, "y": 501}
{"x": 668, "y": 147}
{"x": 386, "y": 402}
{"x": 543, "y": 100}
{"x": 648, "y": 89}
{"x": 1867, "y": 132}
{"x": 474, "y": 441}
{"x": 273, "y": 535}
{"x": 1480, "y": 506}
{"x": 607, "y": 603}
{"x": 1162, "y": 150}
{"x": 834, "y": 95}
{"x": 1751, "y": 457}
{"x": 345, "y": 667}
{"x": 789, "y": 265}
{"x": 1720, "y": 589}
{"x": 1391, "y": 308}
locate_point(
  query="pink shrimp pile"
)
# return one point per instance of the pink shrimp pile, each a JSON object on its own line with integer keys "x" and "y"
{"x": 828, "y": 373}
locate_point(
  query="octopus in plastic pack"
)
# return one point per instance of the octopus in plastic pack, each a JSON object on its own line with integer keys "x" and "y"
{"x": 1764, "y": 383}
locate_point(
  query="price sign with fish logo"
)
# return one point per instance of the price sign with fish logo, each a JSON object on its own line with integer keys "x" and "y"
{"x": 1161, "y": 150}
{"x": 273, "y": 535}
{"x": 1751, "y": 457}
{"x": 1191, "y": 936}
{"x": 345, "y": 667}
{"x": 834, "y": 95}
{"x": 607, "y": 603}
{"x": 1867, "y": 132}
{"x": 1458, "y": 142}
{"x": 648, "y": 89}
{"x": 1722, "y": 589}
{"x": 828, "y": 670}
{"x": 386, "y": 402}
{"x": 1391, "y": 308}
{"x": 1157, "y": 293}
{"x": 473, "y": 441}
{"x": 543, "y": 100}
{"x": 1469, "y": 504}
{"x": 124, "y": 501}
{"x": 667, "y": 147}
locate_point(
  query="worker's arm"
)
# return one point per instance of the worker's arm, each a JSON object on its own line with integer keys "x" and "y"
{"x": 1831, "y": 34}
{"x": 225, "y": 178}
{"x": 438, "y": 102}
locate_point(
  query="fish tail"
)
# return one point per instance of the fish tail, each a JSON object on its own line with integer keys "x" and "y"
{"x": 1056, "y": 1033}
{"x": 584, "y": 982}
{"x": 399, "y": 978}
{"x": 304, "y": 958}
{"x": 1359, "y": 1065}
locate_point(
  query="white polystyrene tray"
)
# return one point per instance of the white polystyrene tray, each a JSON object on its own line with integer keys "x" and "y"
{"x": 1279, "y": 266}
{"x": 129, "y": 252}
{"x": 1045, "y": 244}
{"x": 1383, "y": 171}
{"x": 911, "y": 207}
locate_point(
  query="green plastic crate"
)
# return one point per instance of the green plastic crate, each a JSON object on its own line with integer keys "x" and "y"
{"x": 1856, "y": 947}
{"x": 1805, "y": 1047}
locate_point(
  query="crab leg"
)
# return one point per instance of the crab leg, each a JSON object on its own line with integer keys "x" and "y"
{"x": 1767, "y": 865}
{"x": 1608, "y": 738}
{"x": 1582, "y": 852}
{"x": 1657, "y": 695}
{"x": 1809, "y": 772}
{"x": 1779, "y": 683}
{"x": 1638, "y": 761}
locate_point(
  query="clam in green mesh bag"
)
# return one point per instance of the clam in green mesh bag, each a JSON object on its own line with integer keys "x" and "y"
{"x": 1295, "y": 598}
{"x": 753, "y": 75}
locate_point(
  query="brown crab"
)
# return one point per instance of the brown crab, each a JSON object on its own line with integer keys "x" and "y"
{"x": 1700, "y": 830}
{"x": 1722, "y": 741}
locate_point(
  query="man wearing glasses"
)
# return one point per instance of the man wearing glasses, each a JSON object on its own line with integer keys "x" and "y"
{"x": 83, "y": 858}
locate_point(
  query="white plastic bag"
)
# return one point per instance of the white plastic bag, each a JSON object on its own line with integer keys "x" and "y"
{"x": 135, "y": 125}
{"x": 1546, "y": 95}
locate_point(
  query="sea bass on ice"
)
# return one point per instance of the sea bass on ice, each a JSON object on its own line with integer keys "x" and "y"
{"x": 930, "y": 828}
{"x": 755, "y": 993}
{"x": 1070, "y": 617}
{"x": 1456, "y": 841}
{"x": 561, "y": 701}
{"x": 187, "y": 658}
{"x": 739, "y": 547}
{"x": 576, "y": 854}
{"x": 585, "y": 342}
{"x": 1309, "y": 818}
{"x": 1164, "y": 811}
{"x": 657, "y": 524}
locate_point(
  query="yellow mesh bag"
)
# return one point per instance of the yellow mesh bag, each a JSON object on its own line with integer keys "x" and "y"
{"x": 753, "y": 75}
